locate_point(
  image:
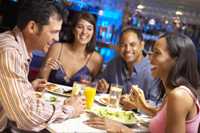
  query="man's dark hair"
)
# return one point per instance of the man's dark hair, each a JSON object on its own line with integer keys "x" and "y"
{"x": 37, "y": 10}
{"x": 134, "y": 30}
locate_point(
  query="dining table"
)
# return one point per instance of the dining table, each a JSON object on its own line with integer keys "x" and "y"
{"x": 77, "y": 125}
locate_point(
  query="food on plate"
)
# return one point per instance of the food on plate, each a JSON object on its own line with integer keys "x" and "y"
{"x": 129, "y": 97}
{"x": 104, "y": 100}
{"x": 52, "y": 87}
{"x": 38, "y": 94}
{"x": 125, "y": 117}
{"x": 53, "y": 99}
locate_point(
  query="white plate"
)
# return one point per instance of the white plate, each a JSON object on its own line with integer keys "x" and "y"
{"x": 102, "y": 99}
{"x": 65, "y": 88}
{"x": 62, "y": 90}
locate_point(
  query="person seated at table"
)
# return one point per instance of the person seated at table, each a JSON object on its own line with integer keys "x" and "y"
{"x": 38, "y": 26}
{"x": 174, "y": 61}
{"x": 130, "y": 67}
{"x": 75, "y": 59}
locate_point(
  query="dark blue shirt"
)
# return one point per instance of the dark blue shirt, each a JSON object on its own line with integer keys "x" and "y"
{"x": 59, "y": 77}
{"x": 116, "y": 72}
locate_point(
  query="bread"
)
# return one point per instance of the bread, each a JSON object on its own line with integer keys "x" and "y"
{"x": 132, "y": 92}
{"x": 52, "y": 87}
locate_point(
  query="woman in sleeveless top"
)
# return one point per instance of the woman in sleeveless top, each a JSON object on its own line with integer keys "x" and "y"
{"x": 174, "y": 61}
{"x": 72, "y": 60}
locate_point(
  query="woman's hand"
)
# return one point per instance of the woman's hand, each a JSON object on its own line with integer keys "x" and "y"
{"x": 53, "y": 64}
{"x": 109, "y": 125}
{"x": 137, "y": 97}
{"x": 126, "y": 103}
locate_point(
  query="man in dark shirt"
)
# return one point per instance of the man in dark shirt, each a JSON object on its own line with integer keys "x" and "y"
{"x": 130, "y": 67}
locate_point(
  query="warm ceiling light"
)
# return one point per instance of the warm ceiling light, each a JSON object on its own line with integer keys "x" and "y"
{"x": 166, "y": 21}
{"x": 179, "y": 13}
{"x": 140, "y": 6}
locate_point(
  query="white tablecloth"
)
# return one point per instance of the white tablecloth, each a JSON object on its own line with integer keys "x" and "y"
{"x": 76, "y": 125}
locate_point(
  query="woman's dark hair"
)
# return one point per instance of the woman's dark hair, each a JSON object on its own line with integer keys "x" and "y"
{"x": 37, "y": 10}
{"x": 76, "y": 18}
{"x": 185, "y": 70}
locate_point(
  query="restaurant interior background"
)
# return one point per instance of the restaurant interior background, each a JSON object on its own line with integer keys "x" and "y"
{"x": 153, "y": 17}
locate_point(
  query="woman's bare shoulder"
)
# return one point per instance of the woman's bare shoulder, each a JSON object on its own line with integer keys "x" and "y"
{"x": 55, "y": 46}
{"x": 54, "y": 49}
{"x": 179, "y": 92}
{"x": 179, "y": 96}
{"x": 96, "y": 57}
{"x": 95, "y": 63}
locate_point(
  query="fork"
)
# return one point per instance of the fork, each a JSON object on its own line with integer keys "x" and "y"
{"x": 66, "y": 78}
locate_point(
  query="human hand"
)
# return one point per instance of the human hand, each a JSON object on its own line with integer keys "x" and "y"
{"x": 78, "y": 103}
{"x": 126, "y": 103}
{"x": 137, "y": 97}
{"x": 102, "y": 85}
{"x": 85, "y": 79}
{"x": 54, "y": 64}
{"x": 109, "y": 125}
{"x": 39, "y": 84}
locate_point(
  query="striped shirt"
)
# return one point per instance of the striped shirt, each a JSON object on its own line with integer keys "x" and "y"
{"x": 18, "y": 102}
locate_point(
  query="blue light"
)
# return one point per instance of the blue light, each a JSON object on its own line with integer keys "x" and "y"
{"x": 107, "y": 54}
{"x": 14, "y": 0}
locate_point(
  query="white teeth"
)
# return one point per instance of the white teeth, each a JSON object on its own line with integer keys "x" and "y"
{"x": 83, "y": 38}
{"x": 128, "y": 54}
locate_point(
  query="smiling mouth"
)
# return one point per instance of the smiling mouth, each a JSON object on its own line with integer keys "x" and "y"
{"x": 83, "y": 36}
{"x": 128, "y": 54}
{"x": 153, "y": 68}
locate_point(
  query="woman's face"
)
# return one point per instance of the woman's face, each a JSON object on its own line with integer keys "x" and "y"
{"x": 161, "y": 60}
{"x": 83, "y": 32}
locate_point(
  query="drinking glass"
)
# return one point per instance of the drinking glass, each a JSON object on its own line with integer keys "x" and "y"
{"x": 89, "y": 93}
{"x": 77, "y": 88}
{"x": 115, "y": 94}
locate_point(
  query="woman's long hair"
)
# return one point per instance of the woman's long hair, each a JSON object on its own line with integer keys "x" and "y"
{"x": 185, "y": 70}
{"x": 68, "y": 35}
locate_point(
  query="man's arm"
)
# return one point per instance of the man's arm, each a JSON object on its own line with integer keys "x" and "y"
{"x": 17, "y": 95}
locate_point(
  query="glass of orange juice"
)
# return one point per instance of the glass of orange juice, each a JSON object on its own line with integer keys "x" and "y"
{"x": 89, "y": 93}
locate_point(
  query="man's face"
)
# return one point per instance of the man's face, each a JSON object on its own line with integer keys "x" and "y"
{"x": 130, "y": 47}
{"x": 48, "y": 35}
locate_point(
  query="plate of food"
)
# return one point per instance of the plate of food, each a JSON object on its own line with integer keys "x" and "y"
{"x": 103, "y": 99}
{"x": 59, "y": 89}
{"x": 125, "y": 117}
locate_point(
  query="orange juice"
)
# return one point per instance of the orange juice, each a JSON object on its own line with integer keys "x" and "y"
{"x": 89, "y": 93}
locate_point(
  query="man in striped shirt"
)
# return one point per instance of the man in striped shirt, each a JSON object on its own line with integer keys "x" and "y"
{"x": 38, "y": 26}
